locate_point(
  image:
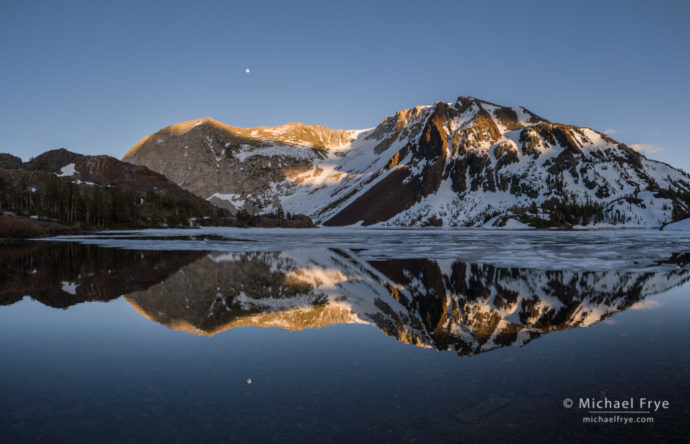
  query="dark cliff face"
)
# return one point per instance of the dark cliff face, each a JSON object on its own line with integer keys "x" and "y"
{"x": 433, "y": 148}
{"x": 390, "y": 196}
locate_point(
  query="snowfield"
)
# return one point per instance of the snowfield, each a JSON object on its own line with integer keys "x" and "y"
{"x": 67, "y": 171}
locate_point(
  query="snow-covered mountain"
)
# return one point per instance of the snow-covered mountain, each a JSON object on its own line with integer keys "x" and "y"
{"x": 468, "y": 163}
{"x": 470, "y": 308}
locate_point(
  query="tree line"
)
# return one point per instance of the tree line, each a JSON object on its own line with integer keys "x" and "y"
{"x": 93, "y": 205}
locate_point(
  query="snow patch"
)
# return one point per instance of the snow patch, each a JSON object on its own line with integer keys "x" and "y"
{"x": 67, "y": 171}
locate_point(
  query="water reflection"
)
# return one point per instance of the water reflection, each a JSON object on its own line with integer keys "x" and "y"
{"x": 470, "y": 308}
{"x": 61, "y": 275}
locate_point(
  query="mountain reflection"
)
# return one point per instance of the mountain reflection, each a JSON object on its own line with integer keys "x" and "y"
{"x": 448, "y": 305}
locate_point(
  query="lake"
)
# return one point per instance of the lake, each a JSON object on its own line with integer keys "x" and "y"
{"x": 342, "y": 335}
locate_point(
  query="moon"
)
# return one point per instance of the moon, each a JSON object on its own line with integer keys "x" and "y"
{"x": 247, "y": 70}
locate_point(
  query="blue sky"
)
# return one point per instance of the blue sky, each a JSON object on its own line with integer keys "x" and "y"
{"x": 95, "y": 77}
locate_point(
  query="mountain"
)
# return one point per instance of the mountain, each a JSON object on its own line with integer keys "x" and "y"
{"x": 110, "y": 172}
{"x": 96, "y": 192}
{"x": 468, "y": 163}
{"x": 220, "y": 163}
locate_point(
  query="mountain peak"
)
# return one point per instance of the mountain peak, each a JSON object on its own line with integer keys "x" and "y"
{"x": 207, "y": 129}
{"x": 52, "y": 160}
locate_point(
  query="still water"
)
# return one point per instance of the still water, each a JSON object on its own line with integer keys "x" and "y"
{"x": 231, "y": 335}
